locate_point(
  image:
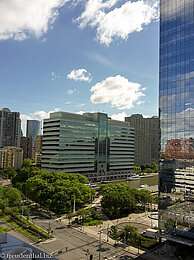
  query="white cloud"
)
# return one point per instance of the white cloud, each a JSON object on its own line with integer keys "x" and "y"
{"x": 120, "y": 116}
{"x": 81, "y": 105}
{"x": 38, "y": 115}
{"x": 99, "y": 58}
{"x": 80, "y": 75}
{"x": 19, "y": 19}
{"x": 70, "y": 91}
{"x": 67, "y": 103}
{"x": 80, "y": 112}
{"x": 54, "y": 76}
{"x": 111, "y": 21}
{"x": 146, "y": 116}
{"x": 118, "y": 91}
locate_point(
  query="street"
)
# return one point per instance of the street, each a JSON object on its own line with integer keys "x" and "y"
{"x": 71, "y": 244}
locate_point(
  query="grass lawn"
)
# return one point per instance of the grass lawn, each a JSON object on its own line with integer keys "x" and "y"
{"x": 27, "y": 228}
{"x": 4, "y": 230}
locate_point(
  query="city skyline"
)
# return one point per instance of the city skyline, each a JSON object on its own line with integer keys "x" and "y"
{"x": 79, "y": 64}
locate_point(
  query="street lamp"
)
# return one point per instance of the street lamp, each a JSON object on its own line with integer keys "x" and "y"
{"x": 100, "y": 232}
{"x": 74, "y": 205}
{"x": 107, "y": 232}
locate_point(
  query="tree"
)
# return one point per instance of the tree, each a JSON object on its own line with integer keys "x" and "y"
{"x": 13, "y": 196}
{"x": 83, "y": 212}
{"x": 27, "y": 162}
{"x": 155, "y": 199}
{"x": 56, "y": 191}
{"x": 145, "y": 196}
{"x": 154, "y": 167}
{"x": 8, "y": 172}
{"x": 114, "y": 234}
{"x": 137, "y": 169}
{"x": 26, "y": 212}
{"x": 69, "y": 216}
{"x": 170, "y": 223}
{"x": 147, "y": 170}
{"x": 118, "y": 200}
{"x": 130, "y": 235}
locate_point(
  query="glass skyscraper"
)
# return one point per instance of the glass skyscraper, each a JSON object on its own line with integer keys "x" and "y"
{"x": 33, "y": 129}
{"x": 91, "y": 144}
{"x": 176, "y": 109}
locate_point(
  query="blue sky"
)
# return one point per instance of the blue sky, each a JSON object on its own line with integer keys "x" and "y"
{"x": 79, "y": 55}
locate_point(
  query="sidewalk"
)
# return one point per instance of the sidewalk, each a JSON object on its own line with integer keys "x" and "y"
{"x": 141, "y": 218}
{"x": 93, "y": 232}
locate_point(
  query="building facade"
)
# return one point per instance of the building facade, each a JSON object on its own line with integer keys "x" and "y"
{"x": 176, "y": 108}
{"x": 11, "y": 157}
{"x": 147, "y": 141}
{"x": 26, "y": 145}
{"x": 91, "y": 144}
{"x": 10, "y": 128}
{"x": 33, "y": 129}
{"x": 38, "y": 150}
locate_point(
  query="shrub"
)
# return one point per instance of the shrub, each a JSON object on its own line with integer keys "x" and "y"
{"x": 93, "y": 223}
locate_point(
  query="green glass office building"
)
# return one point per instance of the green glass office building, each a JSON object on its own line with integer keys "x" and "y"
{"x": 176, "y": 109}
{"x": 92, "y": 144}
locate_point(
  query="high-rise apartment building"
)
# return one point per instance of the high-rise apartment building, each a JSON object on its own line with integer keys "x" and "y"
{"x": 10, "y": 128}
{"x": 176, "y": 110}
{"x": 91, "y": 144}
{"x": 146, "y": 144}
{"x": 33, "y": 129}
{"x": 26, "y": 145}
{"x": 38, "y": 150}
{"x": 11, "y": 157}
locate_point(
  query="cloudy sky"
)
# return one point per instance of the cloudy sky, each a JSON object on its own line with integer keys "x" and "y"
{"x": 79, "y": 56}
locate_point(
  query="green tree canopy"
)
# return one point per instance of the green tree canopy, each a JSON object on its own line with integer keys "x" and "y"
{"x": 114, "y": 233}
{"x": 137, "y": 169}
{"x": 56, "y": 191}
{"x": 8, "y": 172}
{"x": 118, "y": 200}
{"x": 9, "y": 197}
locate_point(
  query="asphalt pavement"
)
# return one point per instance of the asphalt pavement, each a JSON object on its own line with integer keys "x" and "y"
{"x": 71, "y": 244}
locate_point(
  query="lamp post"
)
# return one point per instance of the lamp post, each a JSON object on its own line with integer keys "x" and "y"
{"x": 107, "y": 232}
{"x": 100, "y": 232}
{"x": 74, "y": 205}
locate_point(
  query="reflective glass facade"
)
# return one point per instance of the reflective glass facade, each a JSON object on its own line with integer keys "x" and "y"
{"x": 176, "y": 109}
{"x": 33, "y": 129}
{"x": 91, "y": 144}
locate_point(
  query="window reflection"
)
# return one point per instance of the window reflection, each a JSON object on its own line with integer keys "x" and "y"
{"x": 176, "y": 180}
